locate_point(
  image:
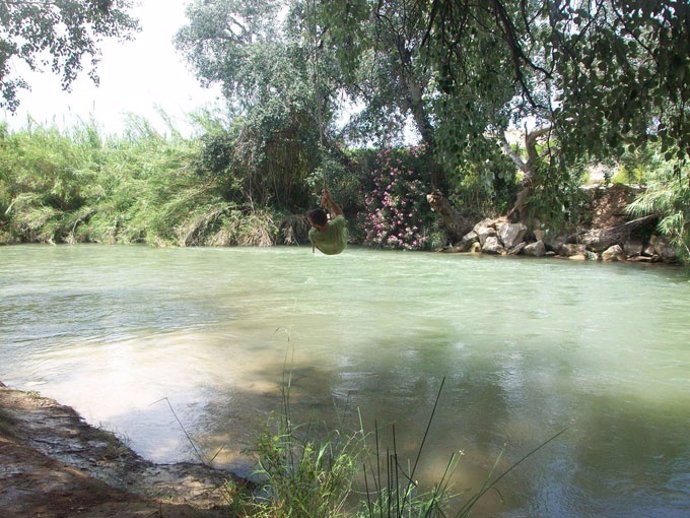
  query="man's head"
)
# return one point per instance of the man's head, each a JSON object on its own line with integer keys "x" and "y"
{"x": 317, "y": 218}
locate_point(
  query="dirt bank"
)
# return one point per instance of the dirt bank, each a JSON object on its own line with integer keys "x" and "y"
{"x": 53, "y": 464}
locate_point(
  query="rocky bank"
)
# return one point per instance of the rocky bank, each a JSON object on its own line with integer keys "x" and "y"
{"x": 53, "y": 464}
{"x": 611, "y": 236}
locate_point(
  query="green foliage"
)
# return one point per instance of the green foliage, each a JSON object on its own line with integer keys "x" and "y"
{"x": 557, "y": 200}
{"x": 483, "y": 188}
{"x": 668, "y": 195}
{"x": 140, "y": 188}
{"x": 277, "y": 88}
{"x": 305, "y": 478}
{"x": 59, "y": 35}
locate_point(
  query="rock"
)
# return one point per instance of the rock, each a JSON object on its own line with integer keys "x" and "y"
{"x": 663, "y": 248}
{"x": 517, "y": 248}
{"x": 591, "y": 256}
{"x": 492, "y": 246}
{"x": 484, "y": 229}
{"x": 550, "y": 253}
{"x": 55, "y": 464}
{"x": 598, "y": 239}
{"x": 613, "y": 253}
{"x": 633, "y": 247}
{"x": 570, "y": 249}
{"x": 476, "y": 248}
{"x": 468, "y": 240}
{"x": 553, "y": 242}
{"x": 539, "y": 234}
{"x": 609, "y": 203}
{"x": 511, "y": 234}
{"x": 641, "y": 259}
{"x": 535, "y": 249}
{"x": 577, "y": 257}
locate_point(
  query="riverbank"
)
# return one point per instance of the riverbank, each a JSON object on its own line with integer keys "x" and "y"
{"x": 53, "y": 464}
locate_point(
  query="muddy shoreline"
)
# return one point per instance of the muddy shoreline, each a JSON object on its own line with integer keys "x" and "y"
{"x": 53, "y": 464}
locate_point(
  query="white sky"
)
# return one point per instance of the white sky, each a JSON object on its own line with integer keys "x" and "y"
{"x": 139, "y": 77}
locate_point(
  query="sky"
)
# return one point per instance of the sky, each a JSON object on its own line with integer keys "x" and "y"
{"x": 142, "y": 77}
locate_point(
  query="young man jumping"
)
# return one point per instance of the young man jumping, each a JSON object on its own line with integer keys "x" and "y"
{"x": 330, "y": 237}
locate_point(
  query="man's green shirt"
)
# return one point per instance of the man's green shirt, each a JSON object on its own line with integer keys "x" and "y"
{"x": 333, "y": 240}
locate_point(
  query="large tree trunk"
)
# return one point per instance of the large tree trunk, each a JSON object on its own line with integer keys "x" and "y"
{"x": 454, "y": 223}
{"x": 528, "y": 168}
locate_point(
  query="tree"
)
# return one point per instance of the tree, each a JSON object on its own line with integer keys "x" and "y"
{"x": 594, "y": 76}
{"x": 56, "y": 34}
{"x": 276, "y": 85}
{"x": 399, "y": 76}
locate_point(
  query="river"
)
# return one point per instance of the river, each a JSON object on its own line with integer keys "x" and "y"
{"x": 152, "y": 343}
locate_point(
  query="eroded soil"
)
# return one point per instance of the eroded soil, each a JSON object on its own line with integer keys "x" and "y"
{"x": 53, "y": 464}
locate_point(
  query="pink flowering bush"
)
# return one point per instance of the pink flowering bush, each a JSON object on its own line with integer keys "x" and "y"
{"x": 396, "y": 211}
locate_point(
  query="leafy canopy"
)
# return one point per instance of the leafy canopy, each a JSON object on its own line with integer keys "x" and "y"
{"x": 56, "y": 34}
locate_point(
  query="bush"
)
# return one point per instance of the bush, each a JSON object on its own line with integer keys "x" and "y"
{"x": 397, "y": 214}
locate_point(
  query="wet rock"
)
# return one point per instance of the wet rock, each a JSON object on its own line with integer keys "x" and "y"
{"x": 59, "y": 461}
{"x": 485, "y": 229}
{"x": 554, "y": 242}
{"x": 517, "y": 249}
{"x": 633, "y": 248}
{"x": 570, "y": 249}
{"x": 535, "y": 249}
{"x": 468, "y": 240}
{"x": 511, "y": 234}
{"x": 492, "y": 246}
{"x": 613, "y": 253}
{"x": 663, "y": 248}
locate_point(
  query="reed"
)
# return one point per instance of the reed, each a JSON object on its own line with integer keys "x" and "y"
{"x": 303, "y": 477}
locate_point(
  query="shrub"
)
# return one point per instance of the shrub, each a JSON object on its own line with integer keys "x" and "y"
{"x": 396, "y": 211}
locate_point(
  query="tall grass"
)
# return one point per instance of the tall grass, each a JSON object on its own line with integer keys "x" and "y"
{"x": 77, "y": 185}
{"x": 352, "y": 475}
{"x": 668, "y": 196}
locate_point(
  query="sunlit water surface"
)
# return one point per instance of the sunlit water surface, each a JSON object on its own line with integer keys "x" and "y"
{"x": 527, "y": 347}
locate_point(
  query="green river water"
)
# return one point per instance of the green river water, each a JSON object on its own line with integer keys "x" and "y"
{"x": 527, "y": 348}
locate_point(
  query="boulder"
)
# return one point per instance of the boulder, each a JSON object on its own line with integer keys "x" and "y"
{"x": 517, "y": 248}
{"x": 633, "y": 247}
{"x": 535, "y": 249}
{"x": 539, "y": 234}
{"x": 577, "y": 257}
{"x": 484, "y": 229}
{"x": 641, "y": 259}
{"x": 553, "y": 242}
{"x": 663, "y": 248}
{"x": 591, "y": 256}
{"x": 468, "y": 240}
{"x": 476, "y": 248}
{"x": 599, "y": 239}
{"x": 570, "y": 249}
{"x": 613, "y": 253}
{"x": 492, "y": 246}
{"x": 511, "y": 234}
{"x": 608, "y": 205}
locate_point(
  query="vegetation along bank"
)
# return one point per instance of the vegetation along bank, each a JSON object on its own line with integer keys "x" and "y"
{"x": 513, "y": 108}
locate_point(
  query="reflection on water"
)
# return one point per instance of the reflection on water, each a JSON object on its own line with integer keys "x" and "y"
{"x": 527, "y": 348}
